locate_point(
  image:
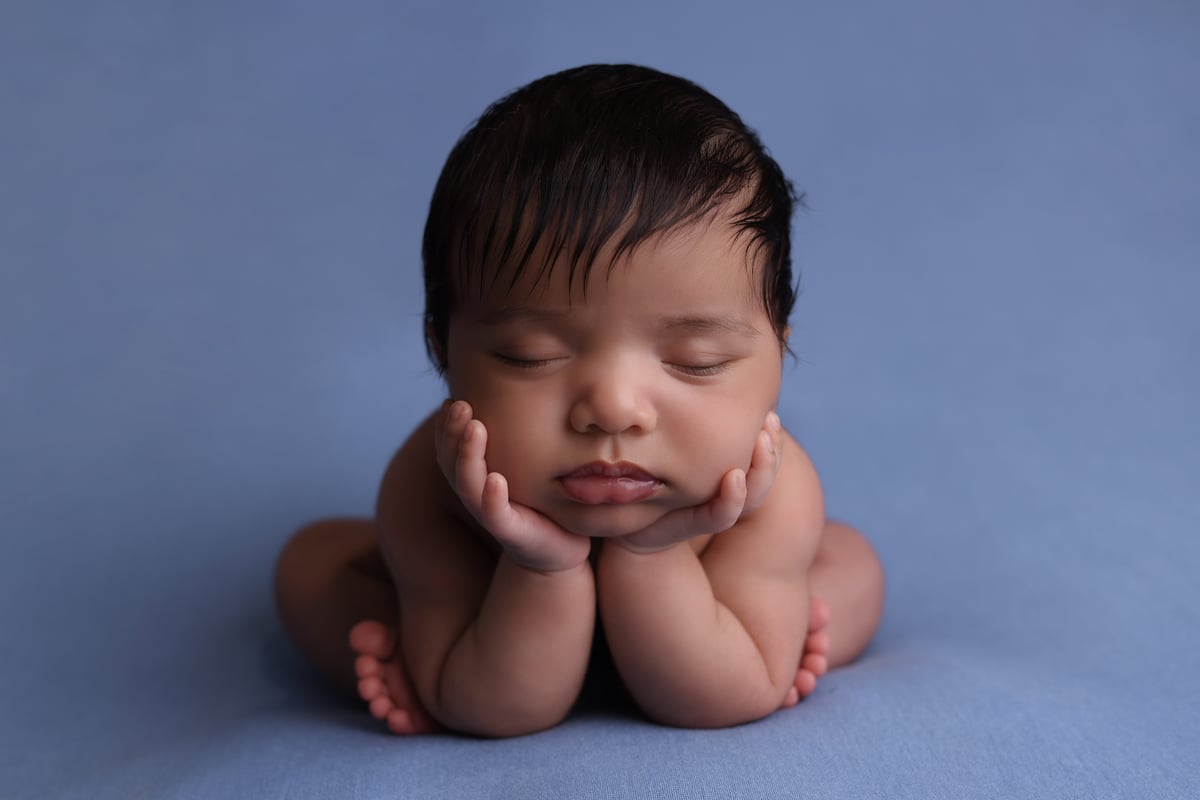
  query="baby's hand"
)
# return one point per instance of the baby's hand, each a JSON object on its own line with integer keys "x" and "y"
{"x": 739, "y": 492}
{"x": 529, "y": 538}
{"x": 764, "y": 463}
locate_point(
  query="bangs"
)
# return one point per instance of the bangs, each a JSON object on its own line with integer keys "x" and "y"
{"x": 541, "y": 210}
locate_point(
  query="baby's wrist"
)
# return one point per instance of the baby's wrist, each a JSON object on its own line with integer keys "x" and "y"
{"x": 548, "y": 567}
{"x": 628, "y": 544}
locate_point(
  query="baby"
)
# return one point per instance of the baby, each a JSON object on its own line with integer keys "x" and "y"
{"x": 608, "y": 282}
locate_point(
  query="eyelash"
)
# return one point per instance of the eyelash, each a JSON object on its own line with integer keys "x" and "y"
{"x": 524, "y": 363}
{"x": 701, "y": 370}
{"x": 691, "y": 370}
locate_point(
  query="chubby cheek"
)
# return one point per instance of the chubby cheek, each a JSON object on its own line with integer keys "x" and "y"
{"x": 707, "y": 452}
{"x": 520, "y": 444}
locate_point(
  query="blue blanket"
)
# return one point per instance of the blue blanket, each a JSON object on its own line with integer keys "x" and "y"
{"x": 210, "y": 334}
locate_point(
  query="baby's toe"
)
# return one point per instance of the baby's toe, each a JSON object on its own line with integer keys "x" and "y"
{"x": 381, "y": 707}
{"x": 815, "y": 663}
{"x": 806, "y": 683}
{"x": 818, "y": 614}
{"x": 370, "y": 688}
{"x": 817, "y": 642}
{"x": 372, "y": 638}
{"x": 368, "y": 667}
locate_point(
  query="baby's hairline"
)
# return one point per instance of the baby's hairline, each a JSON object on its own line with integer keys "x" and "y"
{"x": 614, "y": 251}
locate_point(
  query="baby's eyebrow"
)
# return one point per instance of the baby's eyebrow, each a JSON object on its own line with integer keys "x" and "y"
{"x": 693, "y": 324}
{"x": 509, "y": 314}
{"x": 699, "y": 324}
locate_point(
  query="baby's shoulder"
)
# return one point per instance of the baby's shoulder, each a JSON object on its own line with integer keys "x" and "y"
{"x": 425, "y": 534}
{"x": 798, "y": 475}
{"x": 796, "y": 496}
{"x": 413, "y": 493}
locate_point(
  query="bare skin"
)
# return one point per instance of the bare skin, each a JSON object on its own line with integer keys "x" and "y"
{"x": 383, "y": 683}
{"x": 337, "y": 601}
{"x": 612, "y": 452}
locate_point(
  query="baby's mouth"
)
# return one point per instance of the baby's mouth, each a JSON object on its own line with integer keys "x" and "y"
{"x": 602, "y": 483}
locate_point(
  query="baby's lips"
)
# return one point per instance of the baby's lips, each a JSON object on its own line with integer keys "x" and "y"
{"x": 622, "y": 469}
{"x": 604, "y": 490}
{"x": 602, "y": 483}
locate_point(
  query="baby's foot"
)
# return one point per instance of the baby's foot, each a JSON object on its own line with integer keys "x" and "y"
{"x": 813, "y": 662}
{"x": 383, "y": 682}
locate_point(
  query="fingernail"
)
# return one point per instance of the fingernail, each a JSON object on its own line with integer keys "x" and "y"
{"x": 739, "y": 480}
{"x": 770, "y": 445}
{"x": 773, "y": 421}
{"x": 456, "y": 410}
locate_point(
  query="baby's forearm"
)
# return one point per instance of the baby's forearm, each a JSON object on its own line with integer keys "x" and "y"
{"x": 684, "y": 656}
{"x": 519, "y": 666}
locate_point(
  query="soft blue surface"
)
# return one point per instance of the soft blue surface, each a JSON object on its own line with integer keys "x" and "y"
{"x": 209, "y": 334}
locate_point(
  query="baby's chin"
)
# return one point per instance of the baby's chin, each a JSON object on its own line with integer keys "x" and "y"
{"x": 606, "y": 521}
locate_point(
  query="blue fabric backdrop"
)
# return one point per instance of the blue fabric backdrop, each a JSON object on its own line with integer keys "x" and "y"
{"x": 210, "y": 333}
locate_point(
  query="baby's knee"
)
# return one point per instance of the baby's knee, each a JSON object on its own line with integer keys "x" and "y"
{"x": 854, "y": 552}
{"x": 314, "y": 552}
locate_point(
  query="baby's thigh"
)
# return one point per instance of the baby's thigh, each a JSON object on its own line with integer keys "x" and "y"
{"x": 329, "y": 577}
{"x": 331, "y": 545}
{"x": 848, "y": 576}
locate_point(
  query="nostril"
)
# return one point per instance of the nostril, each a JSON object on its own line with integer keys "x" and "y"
{"x": 612, "y": 406}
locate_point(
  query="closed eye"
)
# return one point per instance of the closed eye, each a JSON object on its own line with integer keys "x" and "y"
{"x": 525, "y": 363}
{"x": 701, "y": 370}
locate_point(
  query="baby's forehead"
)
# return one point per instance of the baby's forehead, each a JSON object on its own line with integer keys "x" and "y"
{"x": 547, "y": 261}
{"x": 702, "y": 271}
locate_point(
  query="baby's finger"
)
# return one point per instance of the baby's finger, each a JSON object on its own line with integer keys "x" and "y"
{"x": 504, "y": 521}
{"x": 448, "y": 432}
{"x": 764, "y": 466}
{"x": 470, "y": 468}
{"x": 495, "y": 512}
{"x": 723, "y": 510}
{"x": 439, "y": 419}
{"x": 765, "y": 461}
{"x": 775, "y": 428}
{"x": 715, "y": 516}
{"x": 529, "y": 538}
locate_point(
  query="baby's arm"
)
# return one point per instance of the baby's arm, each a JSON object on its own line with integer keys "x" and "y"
{"x": 715, "y": 640}
{"x": 493, "y": 647}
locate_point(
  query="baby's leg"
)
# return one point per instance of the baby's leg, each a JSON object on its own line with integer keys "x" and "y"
{"x": 383, "y": 681}
{"x": 848, "y": 577}
{"x": 813, "y": 661}
{"x": 329, "y": 578}
{"x": 846, "y": 583}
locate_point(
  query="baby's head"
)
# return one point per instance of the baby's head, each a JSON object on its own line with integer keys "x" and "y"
{"x": 608, "y": 283}
{"x": 593, "y": 156}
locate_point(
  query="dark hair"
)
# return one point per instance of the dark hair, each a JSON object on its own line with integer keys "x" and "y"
{"x": 572, "y": 159}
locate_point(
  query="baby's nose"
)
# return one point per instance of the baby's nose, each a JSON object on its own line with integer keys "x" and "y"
{"x": 613, "y": 403}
